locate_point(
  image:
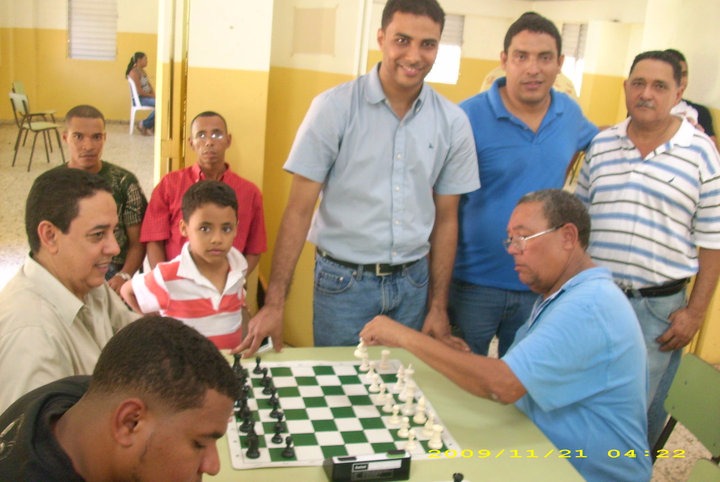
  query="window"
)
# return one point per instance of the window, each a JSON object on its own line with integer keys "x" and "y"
{"x": 447, "y": 65}
{"x": 92, "y": 29}
{"x": 573, "y": 39}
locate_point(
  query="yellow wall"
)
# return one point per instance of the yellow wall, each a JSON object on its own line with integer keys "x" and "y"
{"x": 602, "y": 99}
{"x": 38, "y": 58}
{"x": 290, "y": 94}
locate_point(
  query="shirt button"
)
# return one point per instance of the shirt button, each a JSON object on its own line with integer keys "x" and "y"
{"x": 398, "y": 156}
{"x": 397, "y": 188}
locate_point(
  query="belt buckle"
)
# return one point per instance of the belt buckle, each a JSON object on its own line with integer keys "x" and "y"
{"x": 379, "y": 272}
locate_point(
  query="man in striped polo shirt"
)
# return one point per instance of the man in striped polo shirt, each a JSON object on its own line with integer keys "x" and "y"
{"x": 652, "y": 183}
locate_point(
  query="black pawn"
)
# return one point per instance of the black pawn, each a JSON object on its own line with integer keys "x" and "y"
{"x": 288, "y": 452}
{"x": 236, "y": 362}
{"x": 458, "y": 477}
{"x": 279, "y": 425}
{"x": 275, "y": 405}
{"x": 269, "y": 388}
{"x": 253, "y": 443}
{"x": 257, "y": 370}
{"x": 277, "y": 438}
{"x": 273, "y": 395}
{"x": 245, "y": 426}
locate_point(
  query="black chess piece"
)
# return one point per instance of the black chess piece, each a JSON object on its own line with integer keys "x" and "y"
{"x": 273, "y": 395}
{"x": 265, "y": 380}
{"x": 253, "y": 443}
{"x": 279, "y": 425}
{"x": 245, "y": 426}
{"x": 236, "y": 362}
{"x": 257, "y": 370}
{"x": 269, "y": 387}
{"x": 458, "y": 477}
{"x": 277, "y": 438}
{"x": 275, "y": 405}
{"x": 289, "y": 451}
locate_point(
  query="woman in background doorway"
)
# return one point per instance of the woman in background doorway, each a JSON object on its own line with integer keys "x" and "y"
{"x": 136, "y": 71}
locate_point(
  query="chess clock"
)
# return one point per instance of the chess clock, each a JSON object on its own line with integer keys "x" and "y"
{"x": 392, "y": 465}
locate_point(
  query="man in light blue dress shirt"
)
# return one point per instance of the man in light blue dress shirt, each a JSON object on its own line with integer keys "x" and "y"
{"x": 391, "y": 158}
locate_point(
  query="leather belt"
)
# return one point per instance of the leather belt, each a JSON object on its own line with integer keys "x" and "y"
{"x": 379, "y": 269}
{"x": 665, "y": 289}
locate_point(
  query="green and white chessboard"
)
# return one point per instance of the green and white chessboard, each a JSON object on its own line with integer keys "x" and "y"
{"x": 328, "y": 412}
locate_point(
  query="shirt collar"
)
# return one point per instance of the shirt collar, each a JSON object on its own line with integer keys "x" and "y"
{"x": 555, "y": 108}
{"x": 188, "y": 269}
{"x": 585, "y": 275}
{"x": 683, "y": 137}
{"x": 198, "y": 175}
{"x": 375, "y": 93}
{"x": 66, "y": 304}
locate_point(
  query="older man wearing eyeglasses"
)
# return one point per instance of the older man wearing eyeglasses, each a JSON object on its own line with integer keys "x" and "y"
{"x": 209, "y": 139}
{"x": 577, "y": 367}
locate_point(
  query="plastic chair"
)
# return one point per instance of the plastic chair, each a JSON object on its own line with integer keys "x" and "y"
{"x": 19, "y": 88}
{"x": 704, "y": 471}
{"x": 694, "y": 401}
{"x": 26, "y": 123}
{"x": 135, "y": 104}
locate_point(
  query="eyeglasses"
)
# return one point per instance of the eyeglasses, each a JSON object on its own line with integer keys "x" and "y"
{"x": 214, "y": 135}
{"x": 518, "y": 242}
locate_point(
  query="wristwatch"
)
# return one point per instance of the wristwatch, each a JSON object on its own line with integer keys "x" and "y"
{"x": 123, "y": 275}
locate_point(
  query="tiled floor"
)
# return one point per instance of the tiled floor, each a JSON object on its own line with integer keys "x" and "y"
{"x": 136, "y": 154}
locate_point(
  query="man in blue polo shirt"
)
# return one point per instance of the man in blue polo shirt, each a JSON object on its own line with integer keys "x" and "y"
{"x": 526, "y": 135}
{"x": 577, "y": 367}
{"x": 391, "y": 158}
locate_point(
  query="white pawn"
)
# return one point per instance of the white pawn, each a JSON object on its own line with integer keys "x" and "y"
{"x": 364, "y": 366}
{"x": 411, "y": 443}
{"x": 435, "y": 441}
{"x": 370, "y": 375}
{"x": 384, "y": 363}
{"x": 361, "y": 349}
{"x": 409, "y": 407}
{"x": 408, "y": 391}
{"x": 381, "y": 394}
{"x": 420, "y": 417}
{"x": 374, "y": 386}
{"x": 388, "y": 407}
{"x": 400, "y": 374}
{"x": 394, "y": 419}
{"x": 404, "y": 431}
{"x": 428, "y": 427}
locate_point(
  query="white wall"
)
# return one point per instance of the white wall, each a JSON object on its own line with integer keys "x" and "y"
{"x": 348, "y": 36}
{"x": 52, "y": 14}
{"x": 230, "y": 34}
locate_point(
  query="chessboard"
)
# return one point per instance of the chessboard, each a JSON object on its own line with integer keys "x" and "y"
{"x": 301, "y": 413}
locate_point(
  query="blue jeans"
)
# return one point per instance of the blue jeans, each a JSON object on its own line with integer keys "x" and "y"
{"x": 653, "y": 315}
{"x": 149, "y": 121}
{"x": 345, "y": 299}
{"x": 481, "y": 312}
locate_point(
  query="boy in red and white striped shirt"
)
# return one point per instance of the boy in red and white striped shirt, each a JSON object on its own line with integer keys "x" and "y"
{"x": 204, "y": 285}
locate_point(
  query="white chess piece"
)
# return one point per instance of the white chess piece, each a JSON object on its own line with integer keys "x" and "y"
{"x": 411, "y": 443}
{"x": 428, "y": 427}
{"x": 405, "y": 428}
{"x": 374, "y": 386}
{"x": 388, "y": 407}
{"x": 435, "y": 441}
{"x": 381, "y": 394}
{"x": 384, "y": 363}
{"x": 409, "y": 408}
{"x": 361, "y": 349}
{"x": 369, "y": 376}
{"x": 420, "y": 417}
{"x": 364, "y": 366}
{"x": 394, "y": 419}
